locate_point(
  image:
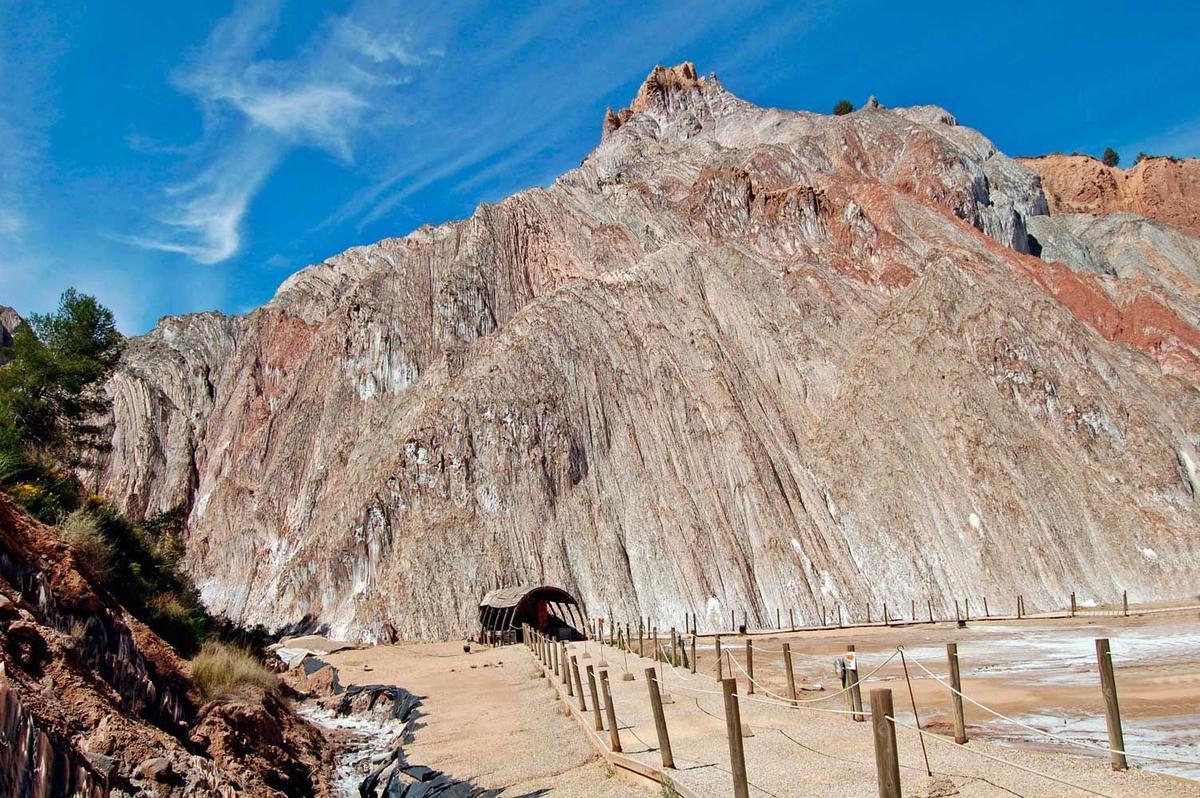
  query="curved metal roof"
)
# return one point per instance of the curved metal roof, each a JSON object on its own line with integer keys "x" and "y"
{"x": 503, "y": 597}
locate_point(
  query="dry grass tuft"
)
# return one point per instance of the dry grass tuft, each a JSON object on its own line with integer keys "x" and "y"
{"x": 93, "y": 552}
{"x": 223, "y": 671}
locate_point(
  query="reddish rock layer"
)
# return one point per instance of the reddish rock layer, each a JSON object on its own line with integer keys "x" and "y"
{"x": 739, "y": 359}
{"x": 1165, "y": 189}
{"x": 91, "y": 700}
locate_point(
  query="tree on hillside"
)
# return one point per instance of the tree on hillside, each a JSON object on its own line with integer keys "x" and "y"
{"x": 50, "y": 386}
{"x": 1110, "y": 157}
{"x": 843, "y": 107}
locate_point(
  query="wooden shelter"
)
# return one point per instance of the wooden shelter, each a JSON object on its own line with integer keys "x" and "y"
{"x": 551, "y": 610}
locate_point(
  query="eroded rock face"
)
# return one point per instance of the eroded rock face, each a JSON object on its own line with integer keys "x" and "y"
{"x": 740, "y": 358}
{"x": 9, "y": 319}
{"x": 93, "y": 702}
{"x": 1166, "y": 189}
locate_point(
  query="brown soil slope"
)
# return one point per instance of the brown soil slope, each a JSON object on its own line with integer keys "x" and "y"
{"x": 91, "y": 700}
{"x": 1165, "y": 189}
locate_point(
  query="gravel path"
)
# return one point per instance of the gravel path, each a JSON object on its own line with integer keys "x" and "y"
{"x": 489, "y": 719}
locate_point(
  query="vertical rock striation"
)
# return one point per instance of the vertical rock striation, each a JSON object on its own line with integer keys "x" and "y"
{"x": 740, "y": 357}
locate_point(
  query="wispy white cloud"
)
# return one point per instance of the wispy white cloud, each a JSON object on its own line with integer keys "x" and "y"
{"x": 515, "y": 96}
{"x": 333, "y": 91}
{"x": 204, "y": 216}
{"x": 383, "y": 48}
{"x": 28, "y": 56}
{"x": 12, "y": 222}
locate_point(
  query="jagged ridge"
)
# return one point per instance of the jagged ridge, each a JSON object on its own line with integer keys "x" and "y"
{"x": 740, "y": 357}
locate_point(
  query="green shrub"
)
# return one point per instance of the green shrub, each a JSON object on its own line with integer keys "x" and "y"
{"x": 222, "y": 672}
{"x": 843, "y": 107}
{"x": 93, "y": 552}
{"x": 178, "y": 619}
{"x": 1110, "y": 157}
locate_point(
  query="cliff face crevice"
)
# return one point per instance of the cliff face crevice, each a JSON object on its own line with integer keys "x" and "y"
{"x": 740, "y": 358}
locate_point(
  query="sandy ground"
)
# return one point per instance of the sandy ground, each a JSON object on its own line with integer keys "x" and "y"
{"x": 1042, "y": 672}
{"x": 488, "y": 718}
{"x": 812, "y": 751}
{"x": 490, "y": 721}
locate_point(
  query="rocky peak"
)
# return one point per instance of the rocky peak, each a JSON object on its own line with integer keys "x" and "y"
{"x": 664, "y": 360}
{"x": 667, "y": 89}
{"x": 9, "y": 319}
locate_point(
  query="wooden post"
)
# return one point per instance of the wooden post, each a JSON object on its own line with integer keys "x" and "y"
{"x": 960, "y": 726}
{"x": 868, "y": 613}
{"x": 578, "y": 684}
{"x": 595, "y": 698}
{"x": 693, "y": 663}
{"x": 822, "y": 615}
{"x": 839, "y": 616}
{"x": 655, "y": 653}
{"x": 985, "y": 609}
{"x": 750, "y": 667}
{"x": 855, "y": 690}
{"x": 674, "y": 648}
{"x": 887, "y": 762}
{"x": 733, "y": 731}
{"x": 912, "y": 609}
{"x": 1018, "y": 606}
{"x": 885, "y": 614}
{"x": 717, "y": 638}
{"x": 1072, "y": 603}
{"x": 791, "y": 675}
{"x": 1125, "y": 602}
{"x": 776, "y": 617}
{"x": 1112, "y": 710}
{"x": 792, "y": 618}
{"x": 660, "y": 720}
{"x": 554, "y": 657}
{"x": 566, "y": 667}
{"x": 929, "y": 604}
{"x": 614, "y": 737}
{"x": 732, "y": 623}
{"x": 641, "y": 639}
{"x": 967, "y": 609}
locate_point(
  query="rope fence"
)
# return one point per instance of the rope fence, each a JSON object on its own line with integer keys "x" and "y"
{"x": 668, "y": 656}
{"x": 1051, "y": 735}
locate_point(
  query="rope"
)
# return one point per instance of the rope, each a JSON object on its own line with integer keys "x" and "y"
{"x": 758, "y": 647}
{"x": 1011, "y": 764}
{"x": 916, "y": 717}
{"x": 1051, "y": 735}
{"x": 676, "y": 667}
{"x": 847, "y": 689}
{"x": 864, "y": 714}
{"x": 741, "y": 697}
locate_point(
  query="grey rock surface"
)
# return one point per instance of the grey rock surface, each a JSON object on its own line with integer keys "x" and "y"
{"x": 739, "y": 358}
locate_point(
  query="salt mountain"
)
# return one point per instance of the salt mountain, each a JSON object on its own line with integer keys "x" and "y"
{"x": 740, "y": 358}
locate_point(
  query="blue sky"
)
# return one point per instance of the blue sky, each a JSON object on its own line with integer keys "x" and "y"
{"x": 180, "y": 157}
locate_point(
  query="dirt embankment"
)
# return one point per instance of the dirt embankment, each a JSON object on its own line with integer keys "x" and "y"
{"x": 94, "y": 701}
{"x": 1166, "y": 189}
